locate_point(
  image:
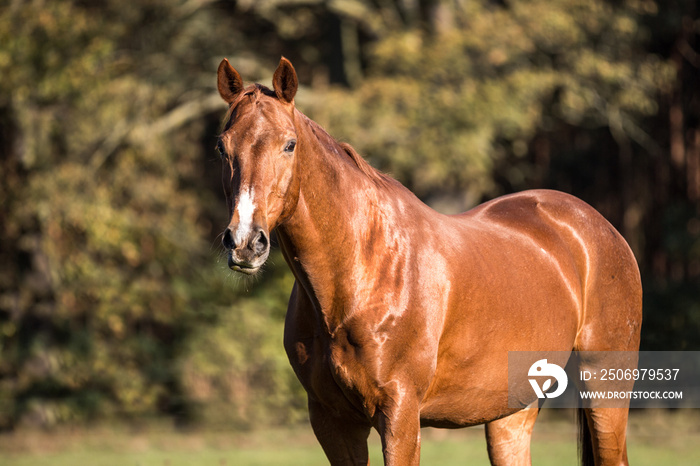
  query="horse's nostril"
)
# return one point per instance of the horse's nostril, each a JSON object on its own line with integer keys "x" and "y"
{"x": 227, "y": 240}
{"x": 260, "y": 243}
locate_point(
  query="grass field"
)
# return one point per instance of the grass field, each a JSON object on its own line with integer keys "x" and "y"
{"x": 656, "y": 438}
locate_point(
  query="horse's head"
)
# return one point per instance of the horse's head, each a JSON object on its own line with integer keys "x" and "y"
{"x": 258, "y": 147}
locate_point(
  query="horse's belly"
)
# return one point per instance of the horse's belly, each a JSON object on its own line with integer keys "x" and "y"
{"x": 464, "y": 407}
{"x": 470, "y": 383}
{"x": 465, "y": 393}
{"x": 470, "y": 393}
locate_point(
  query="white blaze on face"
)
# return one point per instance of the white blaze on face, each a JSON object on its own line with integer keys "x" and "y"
{"x": 245, "y": 209}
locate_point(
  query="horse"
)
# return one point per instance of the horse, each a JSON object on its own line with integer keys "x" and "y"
{"x": 401, "y": 317}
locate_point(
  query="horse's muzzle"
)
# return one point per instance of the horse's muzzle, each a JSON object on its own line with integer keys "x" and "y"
{"x": 246, "y": 252}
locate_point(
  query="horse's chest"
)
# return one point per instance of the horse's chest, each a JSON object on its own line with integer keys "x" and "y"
{"x": 314, "y": 360}
{"x": 334, "y": 371}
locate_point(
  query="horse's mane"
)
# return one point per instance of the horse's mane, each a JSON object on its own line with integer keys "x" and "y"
{"x": 361, "y": 163}
{"x": 322, "y": 135}
{"x": 343, "y": 147}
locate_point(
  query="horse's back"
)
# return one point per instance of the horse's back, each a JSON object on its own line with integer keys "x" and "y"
{"x": 549, "y": 216}
{"x": 542, "y": 210}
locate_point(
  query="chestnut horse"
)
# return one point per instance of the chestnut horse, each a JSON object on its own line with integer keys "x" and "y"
{"x": 402, "y": 317}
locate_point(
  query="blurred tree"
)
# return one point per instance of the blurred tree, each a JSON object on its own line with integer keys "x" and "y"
{"x": 106, "y": 229}
{"x": 442, "y": 110}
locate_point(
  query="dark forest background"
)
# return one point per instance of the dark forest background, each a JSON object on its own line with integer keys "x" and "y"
{"x": 115, "y": 298}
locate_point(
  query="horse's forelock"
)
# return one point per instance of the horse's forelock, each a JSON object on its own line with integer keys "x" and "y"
{"x": 254, "y": 91}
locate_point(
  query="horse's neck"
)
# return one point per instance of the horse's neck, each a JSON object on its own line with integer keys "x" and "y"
{"x": 323, "y": 240}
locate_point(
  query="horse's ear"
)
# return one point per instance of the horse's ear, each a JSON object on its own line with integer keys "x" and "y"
{"x": 285, "y": 81}
{"x": 229, "y": 81}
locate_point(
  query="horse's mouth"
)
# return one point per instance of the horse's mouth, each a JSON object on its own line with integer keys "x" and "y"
{"x": 245, "y": 270}
{"x": 243, "y": 267}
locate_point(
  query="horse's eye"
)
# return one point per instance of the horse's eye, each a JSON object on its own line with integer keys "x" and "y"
{"x": 289, "y": 148}
{"x": 220, "y": 149}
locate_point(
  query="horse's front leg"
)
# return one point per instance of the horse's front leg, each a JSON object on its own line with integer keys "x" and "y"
{"x": 508, "y": 439}
{"x": 398, "y": 425}
{"x": 343, "y": 440}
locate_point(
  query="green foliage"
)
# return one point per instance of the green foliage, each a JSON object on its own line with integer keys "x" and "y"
{"x": 233, "y": 369}
{"x": 107, "y": 227}
{"x": 440, "y": 110}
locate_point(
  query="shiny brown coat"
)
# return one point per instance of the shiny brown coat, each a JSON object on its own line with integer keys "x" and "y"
{"x": 402, "y": 317}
